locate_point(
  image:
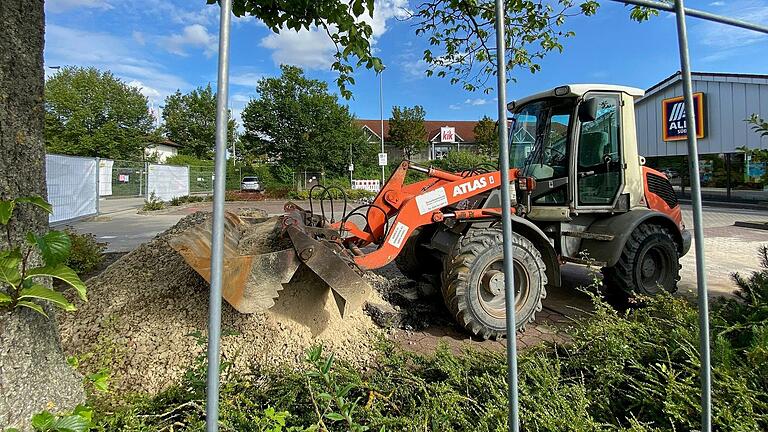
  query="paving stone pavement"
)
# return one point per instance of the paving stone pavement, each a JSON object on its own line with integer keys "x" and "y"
{"x": 727, "y": 249}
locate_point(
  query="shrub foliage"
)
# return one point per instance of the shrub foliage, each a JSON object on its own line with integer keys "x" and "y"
{"x": 620, "y": 371}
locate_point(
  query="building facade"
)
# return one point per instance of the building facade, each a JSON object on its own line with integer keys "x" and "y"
{"x": 162, "y": 151}
{"x": 442, "y": 137}
{"x": 729, "y": 169}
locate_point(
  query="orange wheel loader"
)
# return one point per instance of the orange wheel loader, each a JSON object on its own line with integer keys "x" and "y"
{"x": 579, "y": 189}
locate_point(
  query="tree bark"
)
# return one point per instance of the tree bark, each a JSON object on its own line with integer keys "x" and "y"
{"x": 34, "y": 375}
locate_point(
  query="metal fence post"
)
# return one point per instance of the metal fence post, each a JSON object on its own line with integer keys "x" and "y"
{"x": 513, "y": 422}
{"x": 217, "y": 241}
{"x": 98, "y": 185}
{"x": 698, "y": 229}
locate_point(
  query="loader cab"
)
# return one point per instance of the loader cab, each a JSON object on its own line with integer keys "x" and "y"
{"x": 579, "y": 143}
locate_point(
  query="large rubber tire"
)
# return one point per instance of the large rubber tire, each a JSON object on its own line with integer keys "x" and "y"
{"x": 473, "y": 282}
{"x": 415, "y": 262}
{"x": 649, "y": 263}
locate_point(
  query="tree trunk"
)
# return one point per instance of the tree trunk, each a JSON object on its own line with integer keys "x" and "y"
{"x": 34, "y": 375}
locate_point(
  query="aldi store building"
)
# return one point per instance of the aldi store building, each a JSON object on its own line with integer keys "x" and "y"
{"x": 730, "y": 168}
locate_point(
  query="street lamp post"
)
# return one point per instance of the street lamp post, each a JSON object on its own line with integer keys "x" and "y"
{"x": 381, "y": 111}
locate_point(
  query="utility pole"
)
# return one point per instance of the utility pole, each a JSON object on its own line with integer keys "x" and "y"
{"x": 381, "y": 110}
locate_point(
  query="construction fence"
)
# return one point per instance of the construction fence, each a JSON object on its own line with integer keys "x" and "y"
{"x": 75, "y": 184}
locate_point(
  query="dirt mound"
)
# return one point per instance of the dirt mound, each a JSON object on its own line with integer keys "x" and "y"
{"x": 144, "y": 307}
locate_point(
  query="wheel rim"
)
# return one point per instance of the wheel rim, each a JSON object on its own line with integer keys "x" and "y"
{"x": 491, "y": 294}
{"x": 653, "y": 267}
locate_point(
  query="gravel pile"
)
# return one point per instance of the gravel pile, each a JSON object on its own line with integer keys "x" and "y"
{"x": 143, "y": 308}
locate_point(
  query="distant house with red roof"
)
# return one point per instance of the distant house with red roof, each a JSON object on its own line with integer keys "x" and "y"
{"x": 442, "y": 135}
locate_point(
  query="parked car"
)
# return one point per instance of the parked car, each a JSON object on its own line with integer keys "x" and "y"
{"x": 252, "y": 184}
{"x": 670, "y": 173}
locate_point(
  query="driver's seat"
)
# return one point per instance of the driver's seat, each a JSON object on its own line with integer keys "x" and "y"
{"x": 592, "y": 148}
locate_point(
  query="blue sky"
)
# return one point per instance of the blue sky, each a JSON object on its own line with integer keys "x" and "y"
{"x": 164, "y": 45}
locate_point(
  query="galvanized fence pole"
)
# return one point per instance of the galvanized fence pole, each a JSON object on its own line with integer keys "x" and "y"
{"x": 513, "y": 422}
{"x": 680, "y": 12}
{"x": 98, "y": 185}
{"x": 217, "y": 241}
{"x": 698, "y": 229}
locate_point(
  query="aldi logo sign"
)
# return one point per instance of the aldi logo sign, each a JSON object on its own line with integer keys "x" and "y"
{"x": 673, "y": 118}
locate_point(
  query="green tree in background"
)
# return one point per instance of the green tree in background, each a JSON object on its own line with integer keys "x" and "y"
{"x": 190, "y": 120}
{"x": 462, "y": 36}
{"x": 487, "y": 137}
{"x": 297, "y": 122}
{"x": 92, "y": 113}
{"x": 406, "y": 129}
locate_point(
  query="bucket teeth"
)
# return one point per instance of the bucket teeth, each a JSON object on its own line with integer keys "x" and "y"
{"x": 348, "y": 288}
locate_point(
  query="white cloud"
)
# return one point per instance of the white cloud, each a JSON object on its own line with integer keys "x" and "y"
{"x": 55, "y": 6}
{"x": 67, "y": 46}
{"x": 413, "y": 67}
{"x": 719, "y": 37}
{"x": 195, "y": 36}
{"x": 139, "y": 38}
{"x": 454, "y": 107}
{"x": 313, "y": 49}
{"x": 476, "y": 101}
{"x": 240, "y": 99}
{"x": 146, "y": 90}
{"x": 173, "y": 12}
{"x": 245, "y": 78}
{"x": 717, "y": 4}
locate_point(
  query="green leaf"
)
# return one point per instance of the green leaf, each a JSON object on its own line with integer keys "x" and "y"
{"x": 334, "y": 416}
{"x": 44, "y": 293}
{"x": 34, "y": 306}
{"x": 9, "y": 267}
{"x": 84, "y": 411}
{"x": 100, "y": 380}
{"x": 6, "y": 210}
{"x": 43, "y": 420}
{"x": 62, "y": 273}
{"x": 5, "y": 299}
{"x": 72, "y": 423}
{"x": 73, "y": 362}
{"x": 54, "y": 246}
{"x": 37, "y": 201}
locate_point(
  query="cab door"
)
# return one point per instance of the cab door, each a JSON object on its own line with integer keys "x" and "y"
{"x": 598, "y": 163}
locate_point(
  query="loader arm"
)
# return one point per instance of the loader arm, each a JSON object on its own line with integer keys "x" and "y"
{"x": 415, "y": 205}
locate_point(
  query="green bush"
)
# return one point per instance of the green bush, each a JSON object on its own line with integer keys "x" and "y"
{"x": 153, "y": 203}
{"x": 631, "y": 371}
{"x": 86, "y": 253}
{"x": 183, "y": 160}
{"x": 181, "y": 200}
{"x": 351, "y": 194}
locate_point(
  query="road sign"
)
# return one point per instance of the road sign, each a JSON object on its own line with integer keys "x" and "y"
{"x": 351, "y": 167}
{"x": 382, "y": 159}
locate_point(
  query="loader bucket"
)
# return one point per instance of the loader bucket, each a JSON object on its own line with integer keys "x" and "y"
{"x": 252, "y": 281}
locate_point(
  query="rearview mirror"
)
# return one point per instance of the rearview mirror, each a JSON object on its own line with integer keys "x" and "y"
{"x": 588, "y": 110}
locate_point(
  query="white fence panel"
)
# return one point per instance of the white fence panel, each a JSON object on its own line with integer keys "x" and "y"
{"x": 369, "y": 185}
{"x": 73, "y": 186}
{"x": 168, "y": 181}
{"x": 105, "y": 177}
